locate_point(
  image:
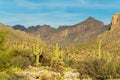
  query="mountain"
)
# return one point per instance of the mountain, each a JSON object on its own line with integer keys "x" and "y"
{"x": 67, "y": 35}
{"x": 109, "y": 40}
{"x": 84, "y": 31}
{"x": 45, "y": 31}
{"x": 19, "y": 27}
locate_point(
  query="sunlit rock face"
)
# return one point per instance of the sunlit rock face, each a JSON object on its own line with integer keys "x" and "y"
{"x": 116, "y": 20}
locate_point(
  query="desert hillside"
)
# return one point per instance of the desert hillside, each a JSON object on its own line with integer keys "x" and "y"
{"x": 88, "y": 50}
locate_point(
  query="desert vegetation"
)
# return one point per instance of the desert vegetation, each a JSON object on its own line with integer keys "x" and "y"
{"x": 92, "y": 60}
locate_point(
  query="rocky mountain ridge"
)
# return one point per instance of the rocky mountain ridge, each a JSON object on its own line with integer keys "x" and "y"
{"x": 67, "y": 35}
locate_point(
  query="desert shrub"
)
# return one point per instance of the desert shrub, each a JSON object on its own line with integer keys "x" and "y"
{"x": 2, "y": 35}
{"x": 97, "y": 69}
{"x": 100, "y": 66}
{"x": 118, "y": 70}
{"x": 81, "y": 69}
{"x": 10, "y": 75}
{"x": 70, "y": 62}
{"x": 6, "y": 76}
{"x": 57, "y": 65}
{"x": 21, "y": 59}
{"x": 45, "y": 76}
{"x": 15, "y": 58}
{"x": 4, "y": 60}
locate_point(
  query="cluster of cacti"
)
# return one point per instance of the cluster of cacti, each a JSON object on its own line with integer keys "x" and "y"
{"x": 37, "y": 50}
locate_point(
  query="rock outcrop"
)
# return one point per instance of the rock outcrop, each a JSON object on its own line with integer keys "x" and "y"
{"x": 34, "y": 73}
{"x": 116, "y": 19}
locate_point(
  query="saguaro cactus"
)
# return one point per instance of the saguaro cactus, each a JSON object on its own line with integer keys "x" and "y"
{"x": 57, "y": 60}
{"x": 99, "y": 50}
{"x": 56, "y": 52}
{"x": 37, "y": 50}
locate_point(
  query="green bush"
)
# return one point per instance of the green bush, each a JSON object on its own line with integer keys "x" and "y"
{"x": 70, "y": 62}
{"x": 10, "y": 75}
{"x": 100, "y": 66}
{"x": 21, "y": 59}
{"x": 15, "y": 58}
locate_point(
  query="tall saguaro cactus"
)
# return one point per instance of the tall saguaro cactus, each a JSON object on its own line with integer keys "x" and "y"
{"x": 57, "y": 61}
{"x": 99, "y": 50}
{"x": 56, "y": 52}
{"x": 37, "y": 50}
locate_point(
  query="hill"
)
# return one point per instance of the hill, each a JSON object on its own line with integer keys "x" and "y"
{"x": 109, "y": 40}
{"x": 99, "y": 58}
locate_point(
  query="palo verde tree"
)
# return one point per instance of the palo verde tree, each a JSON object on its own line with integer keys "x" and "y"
{"x": 37, "y": 50}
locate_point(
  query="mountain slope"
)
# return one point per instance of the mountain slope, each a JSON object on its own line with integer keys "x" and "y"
{"x": 67, "y": 35}
{"x": 109, "y": 41}
{"x": 17, "y": 38}
{"x": 84, "y": 31}
{"x": 45, "y": 31}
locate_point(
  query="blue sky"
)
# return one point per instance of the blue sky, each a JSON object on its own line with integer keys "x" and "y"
{"x": 56, "y": 12}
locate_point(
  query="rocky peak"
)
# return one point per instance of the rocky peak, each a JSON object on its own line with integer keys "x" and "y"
{"x": 19, "y": 27}
{"x": 116, "y": 19}
{"x": 91, "y": 21}
{"x": 90, "y": 18}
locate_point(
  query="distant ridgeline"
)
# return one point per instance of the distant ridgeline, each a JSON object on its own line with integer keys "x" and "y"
{"x": 67, "y": 35}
